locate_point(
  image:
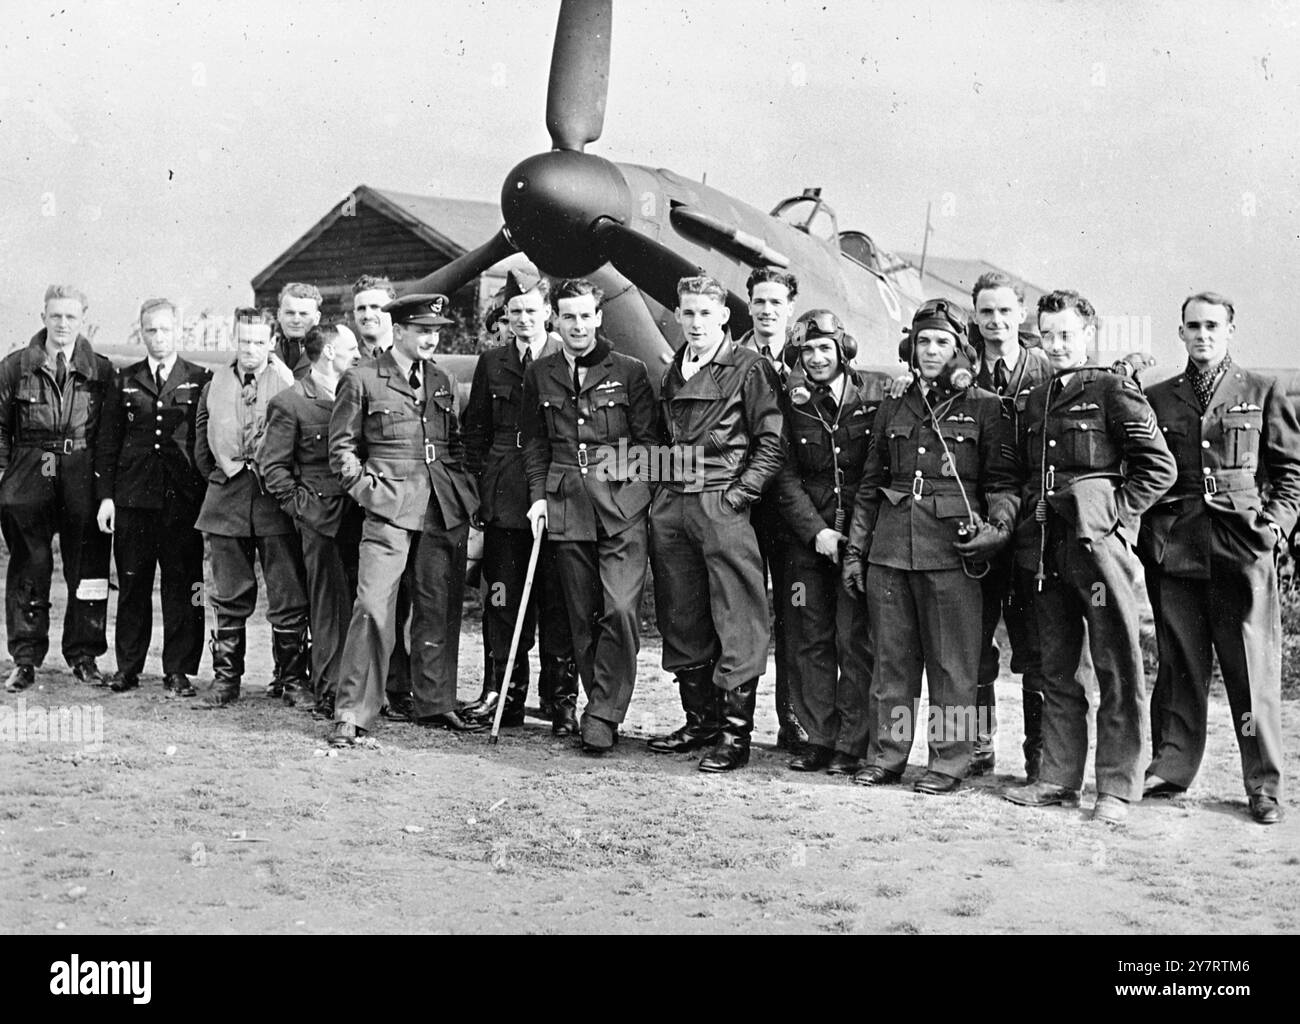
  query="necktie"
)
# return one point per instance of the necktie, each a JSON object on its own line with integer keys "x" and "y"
{"x": 248, "y": 379}
{"x": 577, "y": 383}
{"x": 1203, "y": 383}
{"x": 527, "y": 358}
{"x": 1000, "y": 377}
{"x": 61, "y": 371}
{"x": 415, "y": 377}
{"x": 158, "y": 378}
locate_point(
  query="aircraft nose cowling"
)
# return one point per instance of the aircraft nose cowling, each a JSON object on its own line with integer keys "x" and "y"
{"x": 550, "y": 202}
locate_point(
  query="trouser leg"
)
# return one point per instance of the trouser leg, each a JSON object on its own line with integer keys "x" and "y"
{"x": 28, "y": 532}
{"x": 1065, "y": 700}
{"x": 736, "y": 593}
{"x": 948, "y": 606}
{"x": 1180, "y": 700}
{"x": 681, "y": 583}
{"x": 900, "y": 659}
{"x": 438, "y": 595}
{"x": 811, "y": 627}
{"x": 180, "y": 563}
{"x": 85, "y": 552}
{"x": 373, "y": 627}
{"x": 139, "y": 540}
{"x": 329, "y": 607}
{"x": 622, "y": 569}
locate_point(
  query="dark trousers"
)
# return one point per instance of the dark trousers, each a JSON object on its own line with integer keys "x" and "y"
{"x": 505, "y": 564}
{"x": 924, "y": 620}
{"x": 1092, "y": 585}
{"x": 602, "y": 582}
{"x": 165, "y": 538}
{"x": 1235, "y": 614}
{"x": 773, "y": 540}
{"x": 29, "y": 533}
{"x": 1008, "y": 594}
{"x": 234, "y": 580}
{"x": 828, "y": 643}
{"x": 709, "y": 594}
{"x": 433, "y": 561}
{"x": 331, "y": 594}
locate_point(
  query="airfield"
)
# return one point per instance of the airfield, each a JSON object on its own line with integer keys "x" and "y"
{"x": 241, "y": 821}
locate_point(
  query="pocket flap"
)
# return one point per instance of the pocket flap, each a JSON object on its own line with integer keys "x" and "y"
{"x": 950, "y": 506}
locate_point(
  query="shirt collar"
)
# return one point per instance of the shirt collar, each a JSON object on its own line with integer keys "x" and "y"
{"x": 324, "y": 383}
{"x": 708, "y": 356}
{"x": 166, "y": 365}
{"x": 403, "y": 364}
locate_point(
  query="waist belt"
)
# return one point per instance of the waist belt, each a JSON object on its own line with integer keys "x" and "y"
{"x": 513, "y": 438}
{"x": 1053, "y": 481}
{"x": 64, "y": 447}
{"x": 1228, "y": 481}
{"x": 923, "y": 487}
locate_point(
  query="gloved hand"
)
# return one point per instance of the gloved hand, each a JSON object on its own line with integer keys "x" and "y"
{"x": 987, "y": 540}
{"x": 537, "y": 516}
{"x": 851, "y": 573}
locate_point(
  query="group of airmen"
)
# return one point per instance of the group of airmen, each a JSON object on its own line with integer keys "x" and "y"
{"x": 996, "y": 480}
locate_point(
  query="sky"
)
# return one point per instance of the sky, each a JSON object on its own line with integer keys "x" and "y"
{"x": 1135, "y": 152}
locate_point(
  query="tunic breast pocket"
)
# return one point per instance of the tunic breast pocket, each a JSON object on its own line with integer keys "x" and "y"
{"x": 1241, "y": 433}
{"x": 613, "y": 409}
{"x": 899, "y": 439}
{"x": 390, "y": 422}
{"x": 1085, "y": 441}
{"x": 505, "y": 406}
{"x": 551, "y": 406}
{"x": 962, "y": 455}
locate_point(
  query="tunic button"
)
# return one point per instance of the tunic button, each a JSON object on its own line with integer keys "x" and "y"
{"x": 1205, "y": 444}
{"x": 159, "y": 433}
{"x": 155, "y": 447}
{"x": 158, "y": 417}
{"x": 1050, "y": 493}
{"x": 837, "y": 449}
{"x": 921, "y": 450}
{"x": 584, "y": 472}
{"x": 1051, "y": 444}
{"x": 1051, "y": 469}
{"x": 803, "y": 440}
{"x": 1205, "y": 470}
{"x": 837, "y": 490}
{"x": 580, "y": 421}
{"x": 582, "y": 444}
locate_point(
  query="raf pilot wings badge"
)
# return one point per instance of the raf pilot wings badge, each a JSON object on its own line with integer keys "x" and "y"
{"x": 1084, "y": 407}
{"x": 1246, "y": 407}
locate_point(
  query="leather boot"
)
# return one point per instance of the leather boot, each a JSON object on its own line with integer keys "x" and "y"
{"x": 564, "y": 698}
{"x": 291, "y": 651}
{"x": 732, "y": 749}
{"x": 790, "y": 733}
{"x": 986, "y": 719}
{"x": 227, "y": 648}
{"x": 703, "y": 718}
{"x": 516, "y": 693}
{"x": 486, "y": 704}
{"x": 1033, "y": 705}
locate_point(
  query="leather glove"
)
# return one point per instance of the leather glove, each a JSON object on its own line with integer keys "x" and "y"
{"x": 851, "y": 573}
{"x": 987, "y": 540}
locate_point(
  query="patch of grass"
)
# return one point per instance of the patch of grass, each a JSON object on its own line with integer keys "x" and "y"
{"x": 967, "y": 906}
{"x": 830, "y": 905}
{"x": 902, "y": 928}
{"x": 890, "y": 890}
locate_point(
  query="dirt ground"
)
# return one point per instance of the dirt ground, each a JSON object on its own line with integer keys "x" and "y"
{"x": 239, "y": 821}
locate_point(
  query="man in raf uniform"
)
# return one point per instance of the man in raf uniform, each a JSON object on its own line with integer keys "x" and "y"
{"x": 588, "y": 426}
{"x": 494, "y": 454}
{"x": 298, "y": 313}
{"x": 55, "y": 466}
{"x": 722, "y": 418}
{"x": 828, "y": 417}
{"x": 1210, "y": 548}
{"x": 771, "y": 304}
{"x": 1008, "y": 369}
{"x": 294, "y": 462}
{"x": 937, "y": 499}
{"x": 395, "y": 443}
{"x": 242, "y": 522}
{"x": 1094, "y": 462}
{"x": 157, "y": 492}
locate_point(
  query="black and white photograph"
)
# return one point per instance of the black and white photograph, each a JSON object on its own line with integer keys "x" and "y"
{"x": 577, "y": 467}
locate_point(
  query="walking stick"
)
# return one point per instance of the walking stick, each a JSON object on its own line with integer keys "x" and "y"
{"x": 514, "y": 640}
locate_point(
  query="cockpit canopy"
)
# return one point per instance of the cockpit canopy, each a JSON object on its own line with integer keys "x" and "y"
{"x": 809, "y": 214}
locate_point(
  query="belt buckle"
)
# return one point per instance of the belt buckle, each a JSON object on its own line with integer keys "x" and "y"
{"x": 430, "y": 452}
{"x": 67, "y": 446}
{"x": 918, "y": 487}
{"x": 838, "y": 477}
{"x": 519, "y": 438}
{"x": 1049, "y": 480}
{"x": 1211, "y": 485}
{"x": 582, "y": 458}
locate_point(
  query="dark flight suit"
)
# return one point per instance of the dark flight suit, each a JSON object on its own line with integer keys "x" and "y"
{"x": 580, "y": 453}
{"x": 290, "y": 352}
{"x": 1212, "y": 573}
{"x": 57, "y": 465}
{"x": 242, "y": 523}
{"x": 494, "y": 453}
{"x": 725, "y": 422}
{"x": 1091, "y": 453}
{"x": 925, "y": 607}
{"x": 773, "y": 537}
{"x": 294, "y": 463}
{"x": 828, "y": 638}
{"x": 157, "y": 492}
{"x": 401, "y": 458}
{"x": 1006, "y": 596}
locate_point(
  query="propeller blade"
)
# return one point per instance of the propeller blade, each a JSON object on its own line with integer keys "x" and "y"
{"x": 656, "y": 269}
{"x": 463, "y": 269}
{"x": 575, "y": 98}
{"x": 627, "y": 323}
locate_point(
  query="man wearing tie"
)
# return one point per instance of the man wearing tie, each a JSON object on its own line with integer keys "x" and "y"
{"x": 395, "y": 444}
{"x": 155, "y": 502}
